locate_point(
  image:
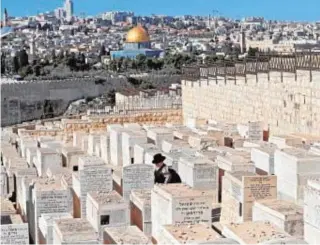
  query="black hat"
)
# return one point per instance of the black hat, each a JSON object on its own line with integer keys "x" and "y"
{"x": 157, "y": 158}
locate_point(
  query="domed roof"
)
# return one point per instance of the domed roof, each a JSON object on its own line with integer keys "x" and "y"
{"x": 137, "y": 35}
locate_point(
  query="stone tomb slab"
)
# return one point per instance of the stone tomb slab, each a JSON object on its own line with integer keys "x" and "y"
{"x": 257, "y": 188}
{"x": 140, "y": 152}
{"x": 125, "y": 235}
{"x": 13, "y": 230}
{"x": 286, "y": 215}
{"x": 74, "y": 231}
{"x": 140, "y": 209}
{"x": 135, "y": 177}
{"x": 158, "y": 134}
{"x": 46, "y": 226}
{"x": 129, "y": 139}
{"x": 47, "y": 158}
{"x": 106, "y": 209}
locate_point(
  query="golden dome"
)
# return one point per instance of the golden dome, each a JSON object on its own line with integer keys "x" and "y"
{"x": 137, "y": 35}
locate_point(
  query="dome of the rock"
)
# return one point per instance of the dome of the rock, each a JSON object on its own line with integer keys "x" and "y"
{"x": 137, "y": 35}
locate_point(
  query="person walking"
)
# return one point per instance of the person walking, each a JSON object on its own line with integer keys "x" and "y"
{"x": 164, "y": 174}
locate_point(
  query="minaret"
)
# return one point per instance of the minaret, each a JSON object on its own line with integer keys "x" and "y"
{"x": 209, "y": 21}
{"x": 242, "y": 41}
{"x": 32, "y": 46}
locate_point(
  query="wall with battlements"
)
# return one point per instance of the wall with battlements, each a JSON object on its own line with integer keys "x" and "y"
{"x": 285, "y": 101}
{"x": 25, "y": 100}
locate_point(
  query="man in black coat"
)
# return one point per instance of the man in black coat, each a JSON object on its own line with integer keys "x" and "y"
{"x": 164, "y": 174}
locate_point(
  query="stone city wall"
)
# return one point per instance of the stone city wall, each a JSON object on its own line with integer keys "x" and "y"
{"x": 25, "y": 100}
{"x": 286, "y": 102}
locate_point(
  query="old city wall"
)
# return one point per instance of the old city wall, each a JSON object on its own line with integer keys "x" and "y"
{"x": 22, "y": 101}
{"x": 286, "y": 102}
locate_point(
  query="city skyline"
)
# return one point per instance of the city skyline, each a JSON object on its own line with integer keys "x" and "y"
{"x": 297, "y": 11}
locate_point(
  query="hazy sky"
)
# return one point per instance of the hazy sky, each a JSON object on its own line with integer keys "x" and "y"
{"x": 308, "y": 10}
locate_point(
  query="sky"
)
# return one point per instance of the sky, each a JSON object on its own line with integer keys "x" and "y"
{"x": 296, "y": 10}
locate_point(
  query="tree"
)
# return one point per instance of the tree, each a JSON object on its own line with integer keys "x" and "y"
{"x": 36, "y": 70}
{"x": 141, "y": 61}
{"x": 113, "y": 65}
{"x": 53, "y": 54}
{"x": 15, "y": 64}
{"x": 23, "y": 58}
{"x": 72, "y": 62}
{"x": 3, "y": 63}
{"x": 102, "y": 51}
{"x": 252, "y": 52}
{"x": 25, "y": 71}
{"x": 111, "y": 97}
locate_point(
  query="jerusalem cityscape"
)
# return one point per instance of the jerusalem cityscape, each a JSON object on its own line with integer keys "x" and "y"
{"x": 170, "y": 122}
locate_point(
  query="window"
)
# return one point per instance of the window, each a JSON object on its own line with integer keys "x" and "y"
{"x": 104, "y": 219}
{"x": 240, "y": 209}
{"x": 75, "y": 168}
{"x": 132, "y": 160}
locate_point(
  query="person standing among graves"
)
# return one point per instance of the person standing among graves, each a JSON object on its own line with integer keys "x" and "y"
{"x": 164, "y": 174}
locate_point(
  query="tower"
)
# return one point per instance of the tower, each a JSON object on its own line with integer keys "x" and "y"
{"x": 5, "y": 21}
{"x": 32, "y": 46}
{"x": 242, "y": 40}
{"x": 68, "y": 7}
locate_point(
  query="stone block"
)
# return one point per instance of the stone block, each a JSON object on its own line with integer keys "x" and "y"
{"x": 286, "y": 215}
{"x": 125, "y": 235}
{"x": 46, "y": 225}
{"x": 106, "y": 209}
{"x": 182, "y": 204}
{"x": 74, "y": 231}
{"x": 198, "y": 172}
{"x": 47, "y": 158}
{"x": 129, "y": 139}
{"x": 13, "y": 230}
{"x": 135, "y": 177}
{"x": 158, "y": 134}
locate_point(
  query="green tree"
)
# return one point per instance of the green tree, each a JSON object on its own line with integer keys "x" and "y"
{"x": 102, "y": 51}
{"x": 15, "y": 64}
{"x": 23, "y": 58}
{"x": 72, "y": 62}
{"x": 141, "y": 61}
{"x": 252, "y": 52}
{"x": 25, "y": 71}
{"x": 53, "y": 55}
{"x": 37, "y": 70}
{"x": 111, "y": 97}
{"x": 3, "y": 63}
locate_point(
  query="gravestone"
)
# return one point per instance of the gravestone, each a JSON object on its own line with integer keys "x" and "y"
{"x": 135, "y": 177}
